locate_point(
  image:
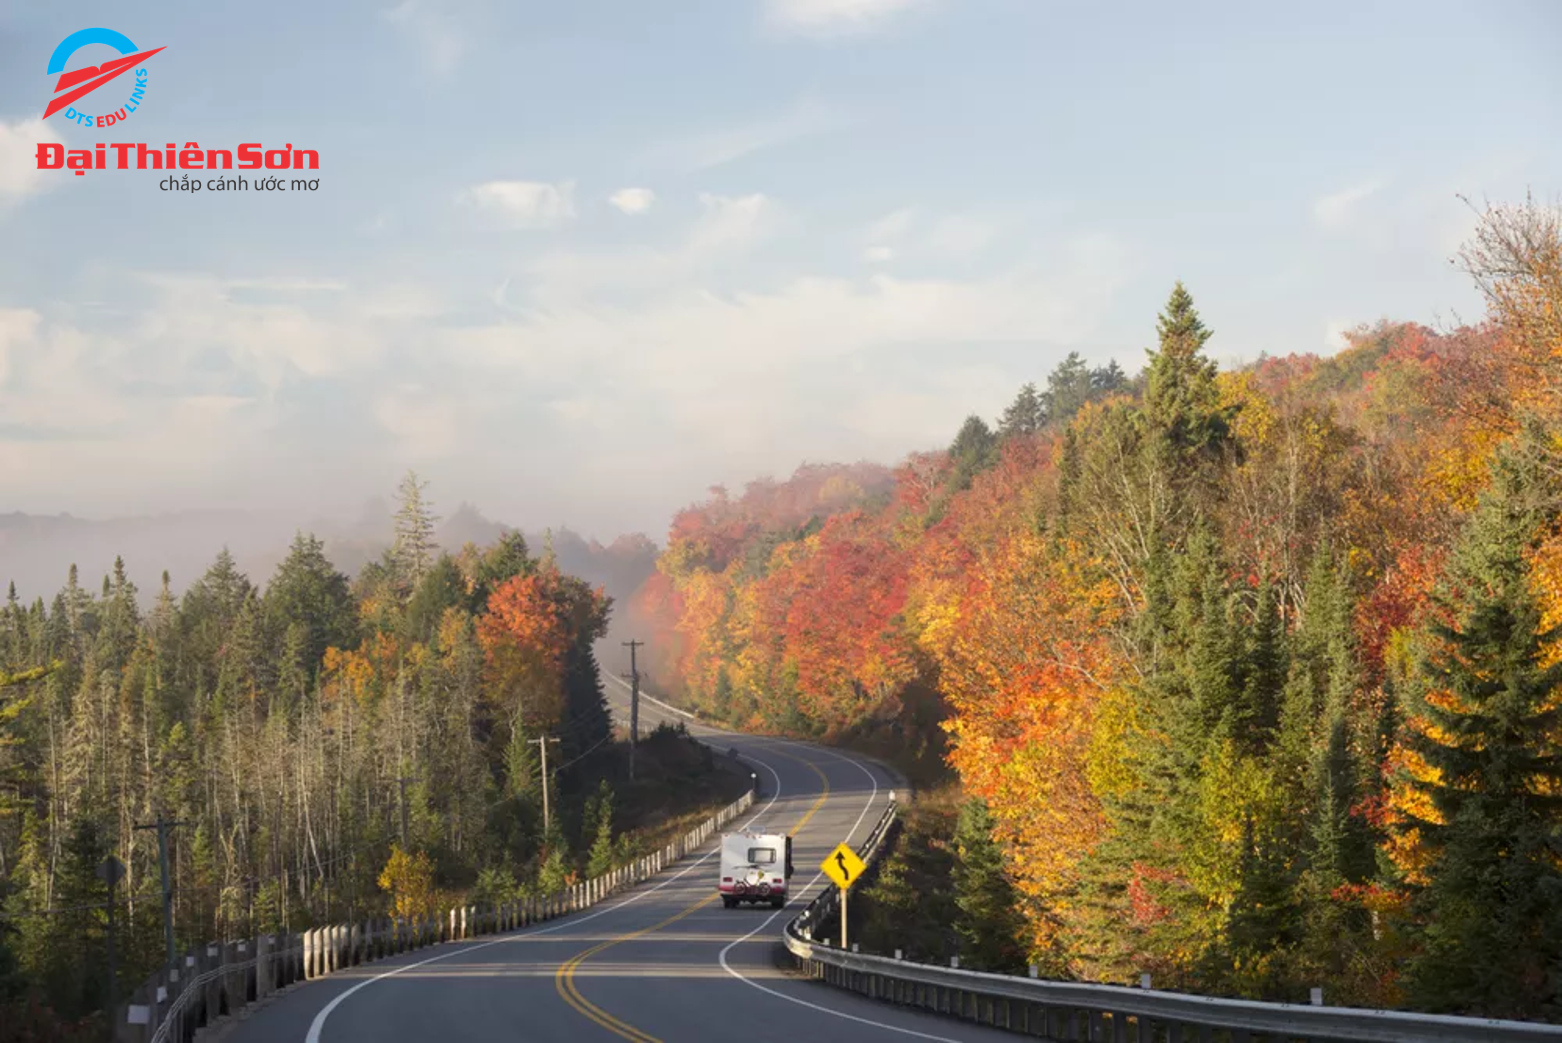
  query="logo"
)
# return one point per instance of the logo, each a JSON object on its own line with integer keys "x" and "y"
{"x": 78, "y": 83}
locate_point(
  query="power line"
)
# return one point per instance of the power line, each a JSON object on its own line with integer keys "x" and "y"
{"x": 583, "y": 754}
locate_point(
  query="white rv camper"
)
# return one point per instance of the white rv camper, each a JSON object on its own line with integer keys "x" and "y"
{"x": 755, "y": 867}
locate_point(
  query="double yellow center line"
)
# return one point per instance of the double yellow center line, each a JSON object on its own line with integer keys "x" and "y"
{"x": 564, "y": 979}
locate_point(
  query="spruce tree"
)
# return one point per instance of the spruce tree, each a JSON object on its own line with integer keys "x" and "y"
{"x": 1026, "y": 415}
{"x": 1068, "y": 389}
{"x": 506, "y": 559}
{"x": 600, "y": 859}
{"x": 588, "y": 723}
{"x": 521, "y": 765}
{"x": 989, "y": 923}
{"x": 1263, "y": 914}
{"x": 1264, "y": 676}
{"x": 414, "y": 547}
{"x": 972, "y": 452}
{"x": 1187, "y": 427}
{"x": 442, "y": 588}
{"x": 1489, "y": 693}
{"x": 1107, "y": 380}
{"x": 307, "y": 589}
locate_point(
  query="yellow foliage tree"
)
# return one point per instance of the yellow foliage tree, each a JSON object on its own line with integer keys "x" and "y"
{"x": 409, "y": 881}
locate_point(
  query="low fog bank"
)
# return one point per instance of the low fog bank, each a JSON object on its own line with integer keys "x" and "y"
{"x": 37, "y": 551}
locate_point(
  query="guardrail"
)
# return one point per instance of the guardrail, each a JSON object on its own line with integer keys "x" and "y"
{"x": 1069, "y": 1011}
{"x": 222, "y": 978}
{"x": 827, "y": 902}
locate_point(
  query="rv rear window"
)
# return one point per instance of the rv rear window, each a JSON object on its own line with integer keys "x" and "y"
{"x": 762, "y": 856}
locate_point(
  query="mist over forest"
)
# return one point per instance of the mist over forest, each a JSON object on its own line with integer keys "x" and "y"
{"x": 37, "y": 550}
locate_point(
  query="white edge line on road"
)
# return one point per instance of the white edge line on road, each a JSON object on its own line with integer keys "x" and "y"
{"x": 817, "y": 876}
{"x": 722, "y": 957}
{"x": 318, "y": 1024}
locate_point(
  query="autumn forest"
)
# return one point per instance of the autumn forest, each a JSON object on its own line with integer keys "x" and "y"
{"x": 1249, "y": 679}
{"x": 1254, "y": 675}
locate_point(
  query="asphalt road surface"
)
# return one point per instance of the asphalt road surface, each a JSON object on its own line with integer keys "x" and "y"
{"x": 662, "y": 963}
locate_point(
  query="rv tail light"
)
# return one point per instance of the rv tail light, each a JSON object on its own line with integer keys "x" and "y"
{"x": 726, "y": 879}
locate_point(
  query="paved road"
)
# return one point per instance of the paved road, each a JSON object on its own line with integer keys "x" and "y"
{"x": 665, "y": 963}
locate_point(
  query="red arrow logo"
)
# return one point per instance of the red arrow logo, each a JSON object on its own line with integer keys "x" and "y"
{"x": 95, "y": 77}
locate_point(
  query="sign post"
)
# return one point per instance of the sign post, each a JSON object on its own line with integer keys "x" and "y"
{"x": 844, "y": 867}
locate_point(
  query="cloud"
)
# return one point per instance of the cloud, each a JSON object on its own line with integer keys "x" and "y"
{"x": 425, "y": 423}
{"x": 527, "y": 204}
{"x": 1337, "y": 211}
{"x": 951, "y": 238}
{"x": 431, "y": 32}
{"x": 633, "y": 200}
{"x": 279, "y": 388}
{"x": 727, "y": 228}
{"x": 713, "y": 148}
{"x": 17, "y": 326}
{"x": 19, "y": 173}
{"x": 835, "y": 17}
{"x": 689, "y": 337}
{"x": 891, "y": 226}
{"x": 960, "y": 237}
{"x": 730, "y": 221}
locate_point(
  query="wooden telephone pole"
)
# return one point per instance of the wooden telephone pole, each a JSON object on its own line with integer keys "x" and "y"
{"x": 163, "y": 825}
{"x": 634, "y": 703}
{"x": 542, "y": 743}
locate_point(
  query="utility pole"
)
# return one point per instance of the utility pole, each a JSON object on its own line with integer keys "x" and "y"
{"x": 111, "y": 870}
{"x": 634, "y": 704}
{"x": 162, "y": 826}
{"x": 402, "y": 782}
{"x": 542, "y": 743}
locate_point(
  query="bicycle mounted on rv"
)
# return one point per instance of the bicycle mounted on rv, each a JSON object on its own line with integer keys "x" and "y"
{"x": 755, "y": 867}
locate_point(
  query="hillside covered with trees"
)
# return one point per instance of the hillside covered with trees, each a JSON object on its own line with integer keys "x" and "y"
{"x": 325, "y": 746}
{"x": 1255, "y": 672}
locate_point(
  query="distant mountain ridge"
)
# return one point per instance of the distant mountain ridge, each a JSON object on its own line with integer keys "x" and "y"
{"x": 37, "y": 550}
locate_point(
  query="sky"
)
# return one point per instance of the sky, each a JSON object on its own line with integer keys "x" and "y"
{"x": 578, "y": 262}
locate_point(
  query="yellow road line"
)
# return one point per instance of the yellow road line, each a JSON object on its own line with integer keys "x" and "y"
{"x": 564, "y": 979}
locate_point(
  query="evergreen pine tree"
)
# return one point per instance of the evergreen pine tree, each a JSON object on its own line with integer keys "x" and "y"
{"x": 413, "y": 548}
{"x": 1264, "y": 678}
{"x": 600, "y": 859}
{"x": 1068, "y": 389}
{"x": 307, "y": 589}
{"x": 442, "y": 588}
{"x": 1493, "y": 904}
{"x": 1025, "y": 416}
{"x": 554, "y": 871}
{"x": 989, "y": 925}
{"x": 588, "y": 723}
{"x": 520, "y": 763}
{"x": 506, "y": 559}
{"x": 972, "y": 452}
{"x": 65, "y": 950}
{"x": 1107, "y": 380}
{"x": 1187, "y": 428}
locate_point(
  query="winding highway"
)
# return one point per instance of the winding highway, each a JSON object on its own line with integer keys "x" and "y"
{"x": 663, "y": 963}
